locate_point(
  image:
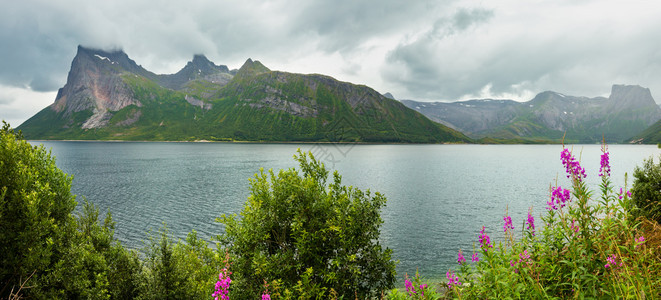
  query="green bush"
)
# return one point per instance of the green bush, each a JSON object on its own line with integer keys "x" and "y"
{"x": 306, "y": 238}
{"x": 95, "y": 265}
{"x": 35, "y": 212}
{"x": 646, "y": 190}
{"x": 179, "y": 270}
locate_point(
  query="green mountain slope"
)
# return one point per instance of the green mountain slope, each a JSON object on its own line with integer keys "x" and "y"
{"x": 256, "y": 104}
{"x": 550, "y": 116}
{"x": 651, "y": 135}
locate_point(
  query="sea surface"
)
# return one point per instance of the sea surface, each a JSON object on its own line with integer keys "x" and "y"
{"x": 439, "y": 196}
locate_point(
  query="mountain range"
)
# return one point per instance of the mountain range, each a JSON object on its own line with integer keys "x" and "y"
{"x": 108, "y": 96}
{"x": 552, "y": 116}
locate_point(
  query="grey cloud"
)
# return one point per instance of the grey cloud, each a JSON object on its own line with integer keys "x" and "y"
{"x": 446, "y": 64}
{"x": 343, "y": 25}
{"x": 462, "y": 20}
{"x": 465, "y": 18}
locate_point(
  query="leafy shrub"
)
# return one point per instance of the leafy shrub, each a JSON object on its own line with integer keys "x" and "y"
{"x": 181, "y": 270}
{"x": 646, "y": 190}
{"x": 306, "y": 238}
{"x": 35, "y": 211}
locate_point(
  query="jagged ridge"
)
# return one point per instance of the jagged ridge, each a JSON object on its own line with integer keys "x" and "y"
{"x": 205, "y": 101}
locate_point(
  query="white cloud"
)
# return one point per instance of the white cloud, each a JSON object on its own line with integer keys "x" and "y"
{"x": 18, "y": 104}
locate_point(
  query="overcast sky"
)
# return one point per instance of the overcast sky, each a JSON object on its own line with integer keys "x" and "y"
{"x": 440, "y": 50}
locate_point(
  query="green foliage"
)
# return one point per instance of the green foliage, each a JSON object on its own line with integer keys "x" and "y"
{"x": 259, "y": 105}
{"x": 307, "y": 237}
{"x": 35, "y": 211}
{"x": 179, "y": 270}
{"x": 646, "y": 190}
{"x": 96, "y": 266}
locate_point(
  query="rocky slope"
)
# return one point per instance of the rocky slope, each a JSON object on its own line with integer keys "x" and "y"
{"x": 109, "y": 96}
{"x": 550, "y": 116}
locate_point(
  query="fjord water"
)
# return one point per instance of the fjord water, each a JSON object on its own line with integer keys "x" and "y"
{"x": 439, "y": 196}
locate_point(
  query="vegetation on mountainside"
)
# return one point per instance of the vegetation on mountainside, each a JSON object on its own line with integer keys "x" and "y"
{"x": 256, "y": 105}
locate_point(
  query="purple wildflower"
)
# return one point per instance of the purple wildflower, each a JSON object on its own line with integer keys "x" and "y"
{"x": 605, "y": 169}
{"x": 485, "y": 241}
{"x": 639, "y": 241}
{"x": 475, "y": 258}
{"x": 266, "y": 297}
{"x": 531, "y": 222}
{"x": 513, "y": 264}
{"x": 508, "y": 223}
{"x": 622, "y": 192}
{"x": 572, "y": 166}
{"x": 612, "y": 262}
{"x": 460, "y": 258}
{"x": 222, "y": 285}
{"x": 574, "y": 227}
{"x": 409, "y": 286}
{"x": 559, "y": 198}
{"x": 453, "y": 280}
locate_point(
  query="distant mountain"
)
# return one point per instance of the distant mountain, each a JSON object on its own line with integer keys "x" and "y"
{"x": 109, "y": 97}
{"x": 547, "y": 117}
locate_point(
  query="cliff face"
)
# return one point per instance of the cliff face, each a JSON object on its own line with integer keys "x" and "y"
{"x": 94, "y": 83}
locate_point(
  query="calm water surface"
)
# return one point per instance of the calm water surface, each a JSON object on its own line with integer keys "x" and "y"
{"x": 439, "y": 196}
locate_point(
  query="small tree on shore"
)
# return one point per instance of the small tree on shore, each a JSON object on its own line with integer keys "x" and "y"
{"x": 646, "y": 190}
{"x": 307, "y": 238}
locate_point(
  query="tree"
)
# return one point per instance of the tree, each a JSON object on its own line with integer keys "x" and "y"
{"x": 181, "y": 270}
{"x": 65, "y": 256}
{"x": 646, "y": 190}
{"x": 35, "y": 211}
{"x": 307, "y": 238}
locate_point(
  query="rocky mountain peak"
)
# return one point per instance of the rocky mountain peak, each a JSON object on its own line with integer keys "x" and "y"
{"x": 252, "y": 68}
{"x": 113, "y": 60}
{"x": 94, "y": 83}
{"x": 204, "y": 66}
{"x": 631, "y": 96}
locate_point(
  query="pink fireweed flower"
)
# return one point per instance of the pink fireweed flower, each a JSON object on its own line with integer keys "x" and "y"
{"x": 422, "y": 289}
{"x": 460, "y": 258}
{"x": 266, "y": 297}
{"x": 524, "y": 255}
{"x": 475, "y": 258}
{"x": 574, "y": 227}
{"x": 605, "y": 168}
{"x": 612, "y": 262}
{"x": 485, "y": 241}
{"x": 508, "y": 223}
{"x": 531, "y": 222}
{"x": 639, "y": 241}
{"x": 623, "y": 192}
{"x": 409, "y": 286}
{"x": 572, "y": 166}
{"x": 559, "y": 198}
{"x": 222, "y": 285}
{"x": 453, "y": 280}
